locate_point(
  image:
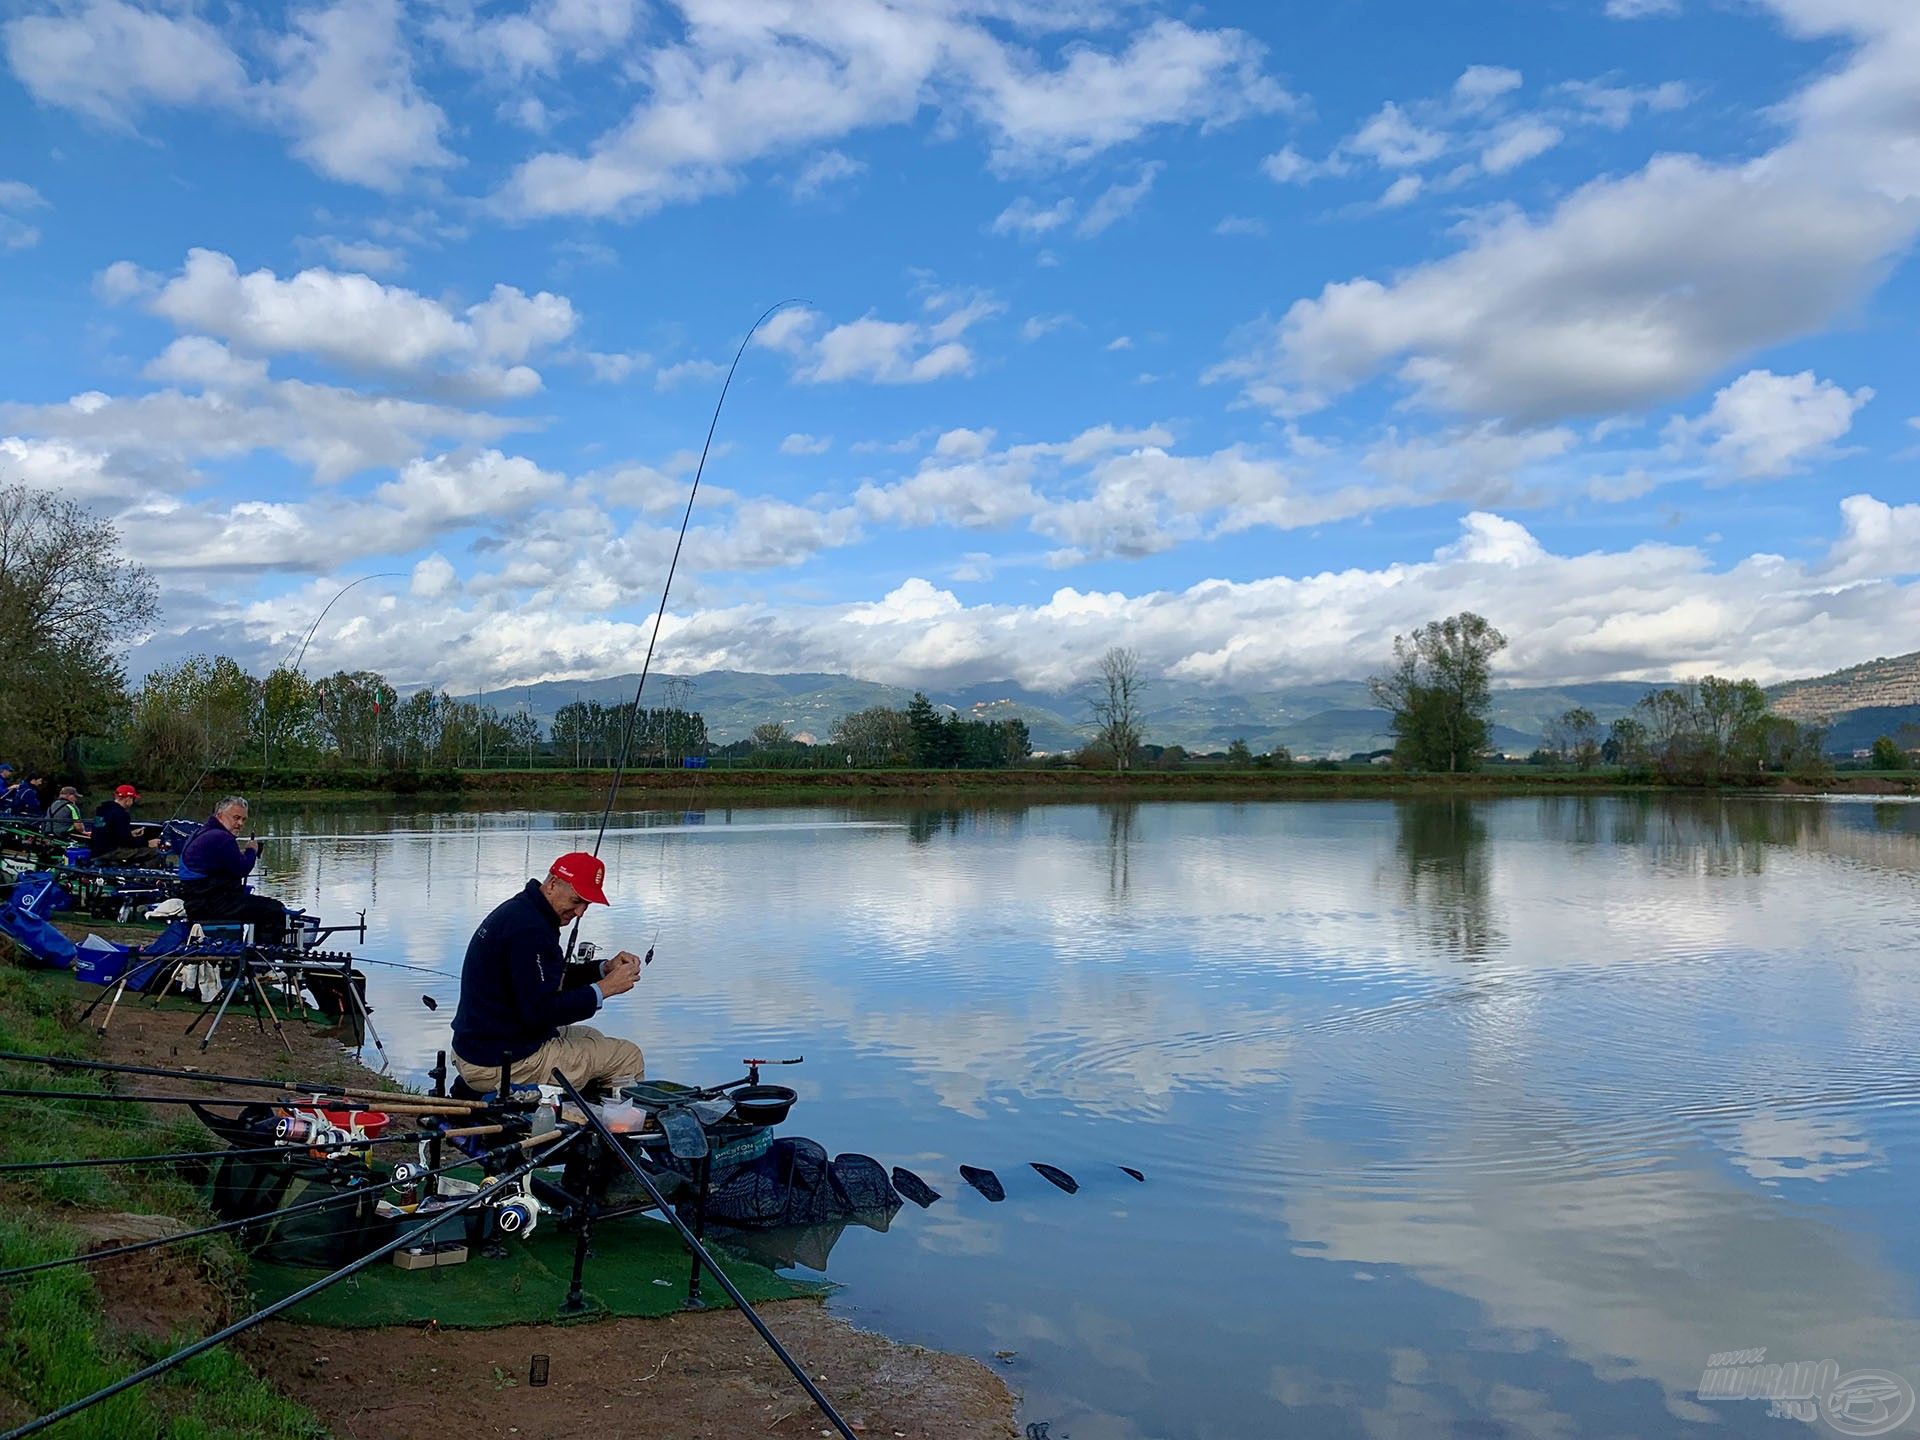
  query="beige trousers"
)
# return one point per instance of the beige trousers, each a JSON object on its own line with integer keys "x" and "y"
{"x": 579, "y": 1052}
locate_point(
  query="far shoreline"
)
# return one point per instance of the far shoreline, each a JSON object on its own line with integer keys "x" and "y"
{"x": 1025, "y": 785}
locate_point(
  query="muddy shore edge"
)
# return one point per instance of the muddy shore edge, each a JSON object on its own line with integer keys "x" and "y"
{"x": 693, "y": 1374}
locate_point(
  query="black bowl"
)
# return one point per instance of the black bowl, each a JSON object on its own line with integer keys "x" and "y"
{"x": 763, "y": 1104}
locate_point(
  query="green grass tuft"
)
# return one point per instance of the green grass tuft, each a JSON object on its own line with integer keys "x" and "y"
{"x": 56, "y": 1344}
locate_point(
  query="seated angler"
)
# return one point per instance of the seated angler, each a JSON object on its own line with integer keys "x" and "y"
{"x": 213, "y": 876}
{"x": 517, "y": 1009}
{"x": 25, "y": 799}
{"x": 63, "y": 816}
{"x": 112, "y": 837}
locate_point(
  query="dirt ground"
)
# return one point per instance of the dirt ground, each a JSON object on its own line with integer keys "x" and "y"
{"x": 695, "y": 1376}
{"x": 692, "y": 1375}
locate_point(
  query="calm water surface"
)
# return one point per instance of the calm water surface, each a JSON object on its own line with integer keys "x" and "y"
{"x": 1458, "y": 1117}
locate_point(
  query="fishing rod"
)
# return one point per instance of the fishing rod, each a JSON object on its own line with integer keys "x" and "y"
{"x": 700, "y": 1252}
{"x": 267, "y": 1312}
{"x": 180, "y": 1156}
{"x": 305, "y": 640}
{"x": 113, "y": 1067}
{"x": 391, "y": 1107}
{"x": 268, "y": 1217}
{"x": 400, "y": 965}
{"x": 660, "y": 615}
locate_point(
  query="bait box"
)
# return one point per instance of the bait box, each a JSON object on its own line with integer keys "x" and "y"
{"x": 431, "y": 1257}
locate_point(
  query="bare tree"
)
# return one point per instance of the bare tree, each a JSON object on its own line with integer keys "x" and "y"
{"x": 1115, "y": 703}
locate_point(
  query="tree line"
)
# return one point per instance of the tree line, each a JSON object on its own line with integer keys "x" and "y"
{"x": 881, "y": 736}
{"x": 70, "y": 607}
{"x": 1708, "y": 731}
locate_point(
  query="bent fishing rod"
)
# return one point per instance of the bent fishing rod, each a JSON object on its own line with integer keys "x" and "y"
{"x": 660, "y": 614}
{"x": 267, "y": 1312}
{"x": 301, "y": 648}
{"x": 698, "y": 1250}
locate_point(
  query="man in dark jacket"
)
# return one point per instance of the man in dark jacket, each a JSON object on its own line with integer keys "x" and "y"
{"x": 516, "y": 1007}
{"x": 112, "y": 837}
{"x": 25, "y": 799}
{"x": 213, "y": 876}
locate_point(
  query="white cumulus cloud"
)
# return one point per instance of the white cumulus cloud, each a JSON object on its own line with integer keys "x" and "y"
{"x": 1635, "y": 290}
{"x": 1765, "y": 424}
{"x": 358, "y": 322}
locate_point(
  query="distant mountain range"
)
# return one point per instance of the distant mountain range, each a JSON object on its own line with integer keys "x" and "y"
{"x": 1336, "y": 718}
{"x": 1333, "y": 718}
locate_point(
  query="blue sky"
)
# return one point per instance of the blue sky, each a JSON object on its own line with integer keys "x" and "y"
{"x": 1243, "y": 334}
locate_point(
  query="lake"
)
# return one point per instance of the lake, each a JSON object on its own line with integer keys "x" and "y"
{"x": 1471, "y": 1117}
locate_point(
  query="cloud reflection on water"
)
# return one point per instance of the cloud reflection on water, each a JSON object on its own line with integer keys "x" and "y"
{"x": 1588, "y": 1087}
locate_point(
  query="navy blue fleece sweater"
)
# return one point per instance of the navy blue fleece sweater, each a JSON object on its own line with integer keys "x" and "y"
{"x": 213, "y": 867}
{"x": 512, "y": 985}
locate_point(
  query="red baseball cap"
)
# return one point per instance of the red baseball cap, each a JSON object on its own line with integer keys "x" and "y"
{"x": 125, "y": 792}
{"x": 584, "y": 872}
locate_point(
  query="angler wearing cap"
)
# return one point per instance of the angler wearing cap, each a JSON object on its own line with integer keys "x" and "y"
{"x": 111, "y": 836}
{"x": 516, "y": 1007}
{"x": 64, "y": 813}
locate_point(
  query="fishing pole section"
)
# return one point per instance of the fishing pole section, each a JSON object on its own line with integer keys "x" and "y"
{"x": 526, "y": 1156}
{"x": 666, "y": 588}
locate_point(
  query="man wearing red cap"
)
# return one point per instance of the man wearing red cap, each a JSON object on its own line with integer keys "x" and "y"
{"x": 517, "y": 1010}
{"x": 111, "y": 836}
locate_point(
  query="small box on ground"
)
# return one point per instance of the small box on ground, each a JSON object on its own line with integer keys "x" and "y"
{"x": 431, "y": 1257}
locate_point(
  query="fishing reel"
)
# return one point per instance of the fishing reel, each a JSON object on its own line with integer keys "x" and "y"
{"x": 313, "y": 1131}
{"x": 405, "y": 1183}
{"x": 518, "y": 1212}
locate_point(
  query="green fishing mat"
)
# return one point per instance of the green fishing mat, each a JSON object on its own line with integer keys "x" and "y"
{"x": 638, "y": 1267}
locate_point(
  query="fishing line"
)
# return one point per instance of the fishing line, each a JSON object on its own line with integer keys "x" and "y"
{"x": 633, "y": 718}
{"x": 301, "y": 647}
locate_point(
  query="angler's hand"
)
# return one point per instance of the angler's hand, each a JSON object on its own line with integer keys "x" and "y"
{"x": 250, "y": 843}
{"x": 621, "y": 973}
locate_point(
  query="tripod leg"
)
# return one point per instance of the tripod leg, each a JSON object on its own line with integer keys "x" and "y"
{"x": 366, "y": 1020}
{"x": 278, "y": 1029}
{"x": 219, "y": 998}
{"x": 112, "y": 990}
{"x": 252, "y": 988}
{"x": 694, "y": 1302}
{"x": 111, "y": 995}
{"x": 226, "y": 999}
{"x": 173, "y": 970}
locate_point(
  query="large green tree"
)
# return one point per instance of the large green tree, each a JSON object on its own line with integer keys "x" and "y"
{"x": 1440, "y": 692}
{"x": 70, "y": 606}
{"x": 1712, "y": 730}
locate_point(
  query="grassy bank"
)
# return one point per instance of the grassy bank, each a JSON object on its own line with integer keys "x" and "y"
{"x": 66, "y": 1333}
{"x": 1029, "y": 785}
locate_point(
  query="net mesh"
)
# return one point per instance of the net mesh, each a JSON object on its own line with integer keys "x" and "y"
{"x": 794, "y": 1183}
